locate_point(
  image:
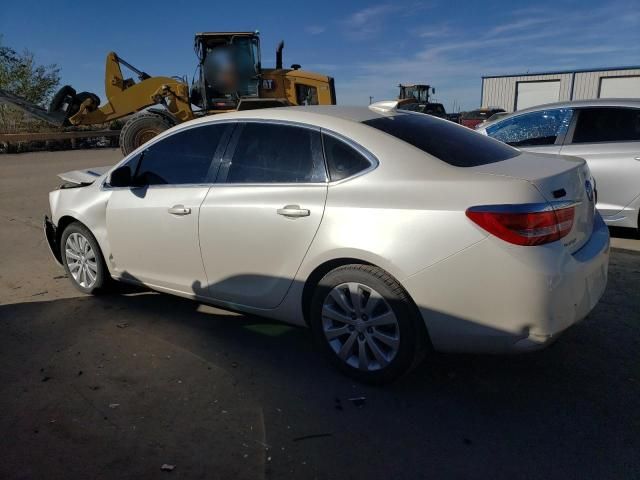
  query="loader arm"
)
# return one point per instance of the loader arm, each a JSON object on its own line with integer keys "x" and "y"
{"x": 124, "y": 96}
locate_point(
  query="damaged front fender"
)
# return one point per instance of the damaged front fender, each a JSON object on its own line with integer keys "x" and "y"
{"x": 50, "y": 233}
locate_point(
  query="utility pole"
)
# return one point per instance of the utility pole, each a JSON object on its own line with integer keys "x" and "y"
{"x": 370, "y": 99}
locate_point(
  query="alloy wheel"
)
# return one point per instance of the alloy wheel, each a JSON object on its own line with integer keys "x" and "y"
{"x": 81, "y": 260}
{"x": 360, "y": 326}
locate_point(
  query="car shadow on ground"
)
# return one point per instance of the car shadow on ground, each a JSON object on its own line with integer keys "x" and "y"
{"x": 629, "y": 233}
{"x": 567, "y": 411}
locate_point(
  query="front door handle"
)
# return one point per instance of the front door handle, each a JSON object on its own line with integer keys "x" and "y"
{"x": 179, "y": 210}
{"x": 637, "y": 158}
{"x": 293, "y": 211}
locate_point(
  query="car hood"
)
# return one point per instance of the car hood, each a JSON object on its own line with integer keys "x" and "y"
{"x": 85, "y": 176}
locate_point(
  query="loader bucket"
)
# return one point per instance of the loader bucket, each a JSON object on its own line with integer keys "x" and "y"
{"x": 54, "y": 118}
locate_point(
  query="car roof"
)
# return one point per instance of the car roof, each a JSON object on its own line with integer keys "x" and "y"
{"x": 304, "y": 114}
{"x": 597, "y": 102}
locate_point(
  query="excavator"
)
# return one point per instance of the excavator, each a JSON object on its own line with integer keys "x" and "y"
{"x": 229, "y": 77}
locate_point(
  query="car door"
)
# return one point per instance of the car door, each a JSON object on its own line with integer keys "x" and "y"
{"x": 541, "y": 131}
{"x": 153, "y": 227}
{"x": 259, "y": 219}
{"x": 609, "y": 139}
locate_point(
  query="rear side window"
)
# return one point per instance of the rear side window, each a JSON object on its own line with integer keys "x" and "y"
{"x": 273, "y": 153}
{"x": 607, "y": 125}
{"x": 343, "y": 160}
{"x": 456, "y": 145}
{"x": 181, "y": 158}
{"x": 532, "y": 129}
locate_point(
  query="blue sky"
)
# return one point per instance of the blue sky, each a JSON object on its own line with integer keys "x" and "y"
{"x": 369, "y": 47}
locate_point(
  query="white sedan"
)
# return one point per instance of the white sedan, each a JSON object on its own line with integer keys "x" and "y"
{"x": 389, "y": 233}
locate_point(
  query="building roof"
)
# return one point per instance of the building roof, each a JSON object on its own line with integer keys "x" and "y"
{"x": 558, "y": 72}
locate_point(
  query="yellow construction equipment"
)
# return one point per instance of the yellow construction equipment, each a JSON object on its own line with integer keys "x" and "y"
{"x": 230, "y": 77}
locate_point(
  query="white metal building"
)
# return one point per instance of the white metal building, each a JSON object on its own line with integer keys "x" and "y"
{"x": 515, "y": 92}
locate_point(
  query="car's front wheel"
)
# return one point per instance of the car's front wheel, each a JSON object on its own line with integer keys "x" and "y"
{"x": 82, "y": 259}
{"x": 366, "y": 324}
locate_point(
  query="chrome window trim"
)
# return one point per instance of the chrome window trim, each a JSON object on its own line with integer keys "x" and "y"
{"x": 105, "y": 186}
{"x": 288, "y": 123}
{"x": 370, "y": 157}
{"x": 579, "y": 110}
{"x": 560, "y": 138}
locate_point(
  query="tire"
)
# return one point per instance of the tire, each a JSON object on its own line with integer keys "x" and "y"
{"x": 386, "y": 313}
{"x": 77, "y": 240}
{"x": 66, "y": 93}
{"x": 141, "y": 128}
{"x": 82, "y": 96}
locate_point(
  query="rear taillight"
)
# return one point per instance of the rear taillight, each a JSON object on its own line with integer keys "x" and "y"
{"x": 528, "y": 224}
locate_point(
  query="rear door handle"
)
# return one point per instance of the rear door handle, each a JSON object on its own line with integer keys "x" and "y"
{"x": 637, "y": 158}
{"x": 179, "y": 210}
{"x": 293, "y": 211}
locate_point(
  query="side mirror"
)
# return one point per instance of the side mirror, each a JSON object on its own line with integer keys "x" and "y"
{"x": 121, "y": 177}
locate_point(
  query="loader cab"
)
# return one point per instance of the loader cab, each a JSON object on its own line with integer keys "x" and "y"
{"x": 417, "y": 92}
{"x": 229, "y": 69}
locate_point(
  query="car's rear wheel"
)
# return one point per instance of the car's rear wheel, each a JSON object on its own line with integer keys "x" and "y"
{"x": 366, "y": 324}
{"x": 82, "y": 259}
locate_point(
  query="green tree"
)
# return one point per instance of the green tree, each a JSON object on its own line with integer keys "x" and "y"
{"x": 21, "y": 75}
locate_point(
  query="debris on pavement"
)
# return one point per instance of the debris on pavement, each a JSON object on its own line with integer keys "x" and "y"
{"x": 167, "y": 467}
{"x": 313, "y": 435}
{"x": 122, "y": 325}
{"x": 358, "y": 401}
{"x": 46, "y": 379}
{"x": 114, "y": 405}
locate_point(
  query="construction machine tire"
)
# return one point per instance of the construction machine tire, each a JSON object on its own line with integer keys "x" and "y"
{"x": 141, "y": 128}
{"x": 82, "y": 96}
{"x": 65, "y": 95}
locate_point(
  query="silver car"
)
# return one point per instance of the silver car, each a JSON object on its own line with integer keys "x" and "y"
{"x": 605, "y": 132}
{"x": 389, "y": 233}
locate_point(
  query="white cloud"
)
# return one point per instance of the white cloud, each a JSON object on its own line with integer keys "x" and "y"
{"x": 367, "y": 22}
{"x": 454, "y": 60}
{"x": 315, "y": 29}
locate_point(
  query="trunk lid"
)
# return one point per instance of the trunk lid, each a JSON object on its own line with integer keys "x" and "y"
{"x": 83, "y": 177}
{"x": 559, "y": 179}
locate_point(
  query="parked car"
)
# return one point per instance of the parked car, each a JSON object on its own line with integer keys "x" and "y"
{"x": 475, "y": 117}
{"x": 454, "y": 117}
{"x": 389, "y": 233}
{"x": 492, "y": 118}
{"x": 606, "y": 133}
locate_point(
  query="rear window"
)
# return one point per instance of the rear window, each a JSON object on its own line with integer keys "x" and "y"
{"x": 451, "y": 143}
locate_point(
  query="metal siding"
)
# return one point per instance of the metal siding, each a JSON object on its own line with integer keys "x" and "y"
{"x": 501, "y": 91}
{"x": 588, "y": 83}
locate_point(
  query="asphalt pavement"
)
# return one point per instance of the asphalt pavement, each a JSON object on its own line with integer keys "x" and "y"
{"x": 117, "y": 386}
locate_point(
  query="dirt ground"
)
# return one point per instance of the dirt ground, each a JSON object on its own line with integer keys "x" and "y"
{"x": 113, "y": 387}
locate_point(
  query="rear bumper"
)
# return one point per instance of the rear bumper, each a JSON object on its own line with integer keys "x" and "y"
{"x": 497, "y": 298}
{"x": 51, "y": 235}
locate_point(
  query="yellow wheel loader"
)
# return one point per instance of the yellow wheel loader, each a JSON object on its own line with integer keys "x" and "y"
{"x": 229, "y": 77}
